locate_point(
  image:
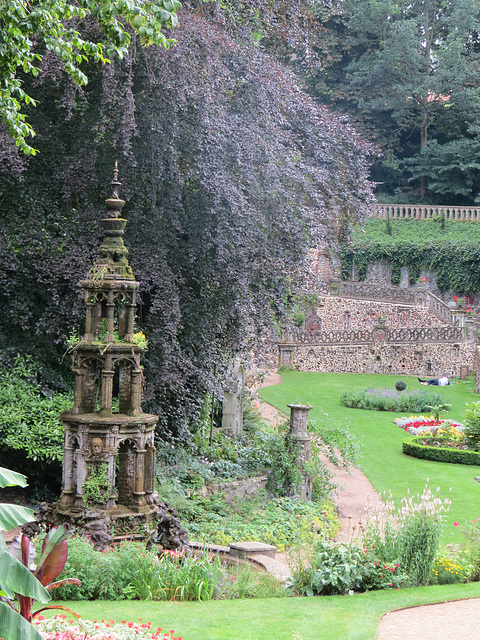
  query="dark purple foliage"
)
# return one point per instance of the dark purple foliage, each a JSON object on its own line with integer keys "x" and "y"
{"x": 229, "y": 171}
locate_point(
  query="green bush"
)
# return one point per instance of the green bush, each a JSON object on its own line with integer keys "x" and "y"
{"x": 384, "y": 399}
{"x": 129, "y": 571}
{"x": 408, "y": 535}
{"x": 400, "y": 385}
{"x": 469, "y": 550}
{"x": 414, "y": 447}
{"x": 31, "y": 433}
{"x": 398, "y": 548}
{"x": 472, "y": 424}
{"x": 449, "y": 570}
{"x": 335, "y": 569}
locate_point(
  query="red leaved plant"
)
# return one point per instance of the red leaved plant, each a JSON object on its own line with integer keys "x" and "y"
{"x": 50, "y": 566}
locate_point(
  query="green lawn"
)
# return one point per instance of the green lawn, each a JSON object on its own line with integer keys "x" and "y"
{"x": 328, "y": 618}
{"x": 339, "y": 617}
{"x": 380, "y": 440}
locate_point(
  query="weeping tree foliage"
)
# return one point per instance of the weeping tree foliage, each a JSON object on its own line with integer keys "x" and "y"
{"x": 28, "y": 29}
{"x": 230, "y": 172}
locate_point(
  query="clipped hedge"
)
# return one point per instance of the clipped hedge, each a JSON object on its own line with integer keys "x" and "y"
{"x": 414, "y": 447}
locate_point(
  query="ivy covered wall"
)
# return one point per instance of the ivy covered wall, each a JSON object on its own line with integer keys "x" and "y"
{"x": 450, "y": 249}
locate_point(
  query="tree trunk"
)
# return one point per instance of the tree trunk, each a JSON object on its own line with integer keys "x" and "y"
{"x": 423, "y": 144}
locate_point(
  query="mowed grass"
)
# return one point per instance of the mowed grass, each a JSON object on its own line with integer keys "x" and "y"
{"x": 382, "y": 459}
{"x": 324, "y": 618}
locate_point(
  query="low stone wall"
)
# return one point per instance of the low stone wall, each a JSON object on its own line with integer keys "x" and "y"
{"x": 348, "y": 314}
{"x": 399, "y": 359}
{"x": 239, "y": 488}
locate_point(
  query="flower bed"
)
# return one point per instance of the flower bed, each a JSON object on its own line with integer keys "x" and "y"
{"x": 419, "y": 425}
{"x": 383, "y": 399}
{"x": 60, "y": 628}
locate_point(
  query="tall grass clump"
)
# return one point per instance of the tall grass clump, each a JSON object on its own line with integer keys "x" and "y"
{"x": 409, "y": 535}
{"x": 384, "y": 399}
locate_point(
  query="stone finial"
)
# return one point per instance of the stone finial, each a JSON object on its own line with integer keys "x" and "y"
{"x": 115, "y": 204}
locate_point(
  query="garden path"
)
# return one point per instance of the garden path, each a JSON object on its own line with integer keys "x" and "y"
{"x": 455, "y": 620}
{"x": 354, "y": 488}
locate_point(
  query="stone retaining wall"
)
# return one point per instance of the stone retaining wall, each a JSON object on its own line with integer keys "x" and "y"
{"x": 239, "y": 488}
{"x": 349, "y": 335}
{"x": 350, "y": 314}
{"x": 399, "y": 359}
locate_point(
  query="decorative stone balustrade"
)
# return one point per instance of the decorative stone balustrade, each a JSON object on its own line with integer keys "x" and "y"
{"x": 404, "y": 335}
{"x": 425, "y": 212}
{"x": 440, "y": 307}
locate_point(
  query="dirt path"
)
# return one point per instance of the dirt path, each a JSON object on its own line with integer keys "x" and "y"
{"x": 458, "y": 620}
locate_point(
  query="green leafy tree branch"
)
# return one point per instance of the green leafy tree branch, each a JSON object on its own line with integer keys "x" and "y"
{"x": 28, "y": 29}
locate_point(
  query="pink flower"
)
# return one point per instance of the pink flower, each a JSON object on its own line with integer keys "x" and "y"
{"x": 455, "y": 524}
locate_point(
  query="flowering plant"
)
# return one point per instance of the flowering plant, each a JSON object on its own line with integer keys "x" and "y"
{"x": 470, "y": 312}
{"x": 459, "y": 301}
{"x": 419, "y": 425}
{"x": 422, "y": 280}
{"x": 140, "y": 339}
{"x": 60, "y": 628}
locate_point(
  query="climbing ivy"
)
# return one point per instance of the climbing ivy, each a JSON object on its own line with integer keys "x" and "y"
{"x": 452, "y": 250}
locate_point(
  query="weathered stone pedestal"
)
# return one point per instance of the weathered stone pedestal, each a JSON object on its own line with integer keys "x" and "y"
{"x": 300, "y": 437}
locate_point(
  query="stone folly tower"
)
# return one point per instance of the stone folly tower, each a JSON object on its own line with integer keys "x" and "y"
{"x": 109, "y": 453}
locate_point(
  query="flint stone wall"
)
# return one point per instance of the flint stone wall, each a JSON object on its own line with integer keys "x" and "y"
{"x": 335, "y": 313}
{"x": 312, "y": 348}
{"x": 416, "y": 359}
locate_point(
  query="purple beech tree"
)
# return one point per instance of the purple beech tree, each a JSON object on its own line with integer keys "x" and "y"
{"x": 230, "y": 172}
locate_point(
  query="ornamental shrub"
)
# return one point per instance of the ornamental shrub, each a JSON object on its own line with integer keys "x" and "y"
{"x": 400, "y": 385}
{"x": 31, "y": 432}
{"x": 449, "y": 570}
{"x": 335, "y": 569}
{"x": 409, "y": 535}
{"x": 469, "y": 550}
{"x": 383, "y": 399}
{"x": 131, "y": 572}
{"x": 472, "y": 424}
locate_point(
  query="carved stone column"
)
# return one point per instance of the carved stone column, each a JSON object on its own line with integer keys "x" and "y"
{"x": 149, "y": 483}
{"x": 89, "y": 321}
{"x": 68, "y": 489}
{"x": 139, "y": 492}
{"x": 136, "y": 398}
{"x": 110, "y": 318}
{"x": 78, "y": 393}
